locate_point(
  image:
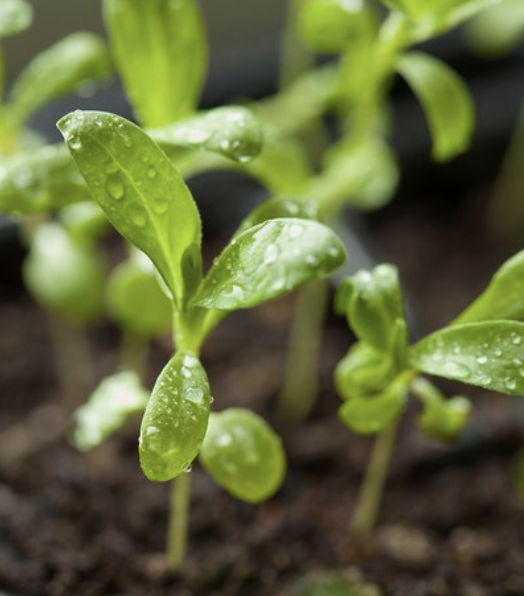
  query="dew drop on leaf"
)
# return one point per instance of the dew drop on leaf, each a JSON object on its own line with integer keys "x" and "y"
{"x": 482, "y": 359}
{"x": 151, "y": 172}
{"x": 115, "y": 188}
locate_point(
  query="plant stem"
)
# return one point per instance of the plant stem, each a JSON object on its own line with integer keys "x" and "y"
{"x": 72, "y": 356}
{"x": 300, "y": 389}
{"x": 178, "y": 521}
{"x": 365, "y": 514}
{"x": 295, "y": 59}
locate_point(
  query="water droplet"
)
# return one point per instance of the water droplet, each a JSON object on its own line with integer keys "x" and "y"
{"x": 115, "y": 188}
{"x": 160, "y": 206}
{"x": 186, "y": 372}
{"x": 312, "y": 260}
{"x": 437, "y": 356}
{"x": 510, "y": 384}
{"x": 235, "y": 291}
{"x": 198, "y": 135}
{"x": 497, "y": 352}
{"x": 271, "y": 254}
{"x": 151, "y": 430}
{"x": 195, "y": 394}
{"x": 335, "y": 253}
{"x": 517, "y": 340}
{"x": 295, "y": 230}
{"x": 111, "y": 168}
{"x": 151, "y": 172}
{"x": 457, "y": 370}
{"x": 138, "y": 217}
{"x": 224, "y": 440}
{"x": 74, "y": 142}
{"x": 188, "y": 469}
{"x": 482, "y": 359}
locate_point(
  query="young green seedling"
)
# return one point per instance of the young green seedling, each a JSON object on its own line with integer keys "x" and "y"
{"x": 145, "y": 198}
{"x": 483, "y": 346}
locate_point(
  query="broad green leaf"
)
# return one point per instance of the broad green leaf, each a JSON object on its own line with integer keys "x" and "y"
{"x": 15, "y": 16}
{"x": 363, "y": 371}
{"x": 281, "y": 206}
{"x": 63, "y": 275}
{"x": 503, "y": 298}
{"x": 267, "y": 261}
{"x": 230, "y": 131}
{"x": 329, "y": 26}
{"x": 176, "y": 418}
{"x": 488, "y": 354}
{"x": 496, "y": 31}
{"x": 374, "y": 413}
{"x": 42, "y": 180}
{"x": 135, "y": 300}
{"x": 446, "y": 101}
{"x": 373, "y": 304}
{"x": 109, "y": 406}
{"x": 243, "y": 455}
{"x": 445, "y": 421}
{"x": 139, "y": 190}
{"x": 160, "y": 49}
{"x": 84, "y": 221}
{"x": 77, "y": 60}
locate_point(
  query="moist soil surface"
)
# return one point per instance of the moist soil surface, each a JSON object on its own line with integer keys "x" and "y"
{"x": 451, "y": 523}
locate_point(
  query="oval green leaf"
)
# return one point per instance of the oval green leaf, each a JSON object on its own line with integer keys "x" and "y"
{"x": 41, "y": 181}
{"x": 230, "y": 131}
{"x": 107, "y": 409}
{"x": 446, "y": 101}
{"x": 15, "y": 16}
{"x": 503, "y": 298}
{"x": 176, "y": 418}
{"x": 243, "y": 455}
{"x": 136, "y": 301}
{"x": 137, "y": 187}
{"x": 77, "y": 60}
{"x": 160, "y": 49}
{"x": 65, "y": 276}
{"x": 267, "y": 261}
{"x": 488, "y": 354}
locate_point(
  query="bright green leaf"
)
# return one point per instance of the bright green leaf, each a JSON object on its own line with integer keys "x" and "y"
{"x": 139, "y": 190}
{"x": 15, "y": 16}
{"x": 63, "y": 275}
{"x": 230, "y": 131}
{"x": 110, "y": 405}
{"x": 77, "y": 60}
{"x": 160, "y": 50}
{"x": 42, "y": 180}
{"x": 446, "y": 101}
{"x": 489, "y": 354}
{"x": 374, "y": 413}
{"x": 135, "y": 300}
{"x": 176, "y": 418}
{"x": 269, "y": 260}
{"x": 503, "y": 298}
{"x": 281, "y": 206}
{"x": 243, "y": 455}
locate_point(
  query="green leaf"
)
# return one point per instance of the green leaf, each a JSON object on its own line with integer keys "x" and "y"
{"x": 160, "y": 49}
{"x": 176, "y": 418}
{"x": 42, "y": 180}
{"x": 77, "y": 60}
{"x": 230, "y": 131}
{"x": 243, "y": 455}
{"x": 373, "y": 304}
{"x": 15, "y": 16}
{"x": 503, "y": 298}
{"x": 63, "y": 275}
{"x": 267, "y": 261}
{"x": 363, "y": 371}
{"x": 446, "y": 101}
{"x": 139, "y": 190}
{"x": 374, "y": 413}
{"x": 109, "y": 406}
{"x": 281, "y": 206}
{"x": 329, "y": 26}
{"x": 135, "y": 300}
{"x": 488, "y": 354}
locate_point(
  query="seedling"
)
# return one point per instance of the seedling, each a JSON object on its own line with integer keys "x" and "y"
{"x": 146, "y": 200}
{"x": 483, "y": 346}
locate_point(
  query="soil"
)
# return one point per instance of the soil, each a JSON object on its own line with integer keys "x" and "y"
{"x": 451, "y": 522}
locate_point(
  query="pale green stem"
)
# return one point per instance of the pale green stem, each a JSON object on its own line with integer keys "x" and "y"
{"x": 295, "y": 59}
{"x": 178, "y": 521}
{"x": 72, "y": 355}
{"x": 366, "y": 511}
{"x": 300, "y": 390}
{"x": 134, "y": 353}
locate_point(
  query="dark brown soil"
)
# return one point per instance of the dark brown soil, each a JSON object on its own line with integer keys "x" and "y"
{"x": 452, "y": 523}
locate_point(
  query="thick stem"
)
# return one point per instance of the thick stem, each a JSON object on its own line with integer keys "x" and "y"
{"x": 300, "y": 390}
{"x": 365, "y": 514}
{"x": 73, "y": 363}
{"x": 178, "y": 521}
